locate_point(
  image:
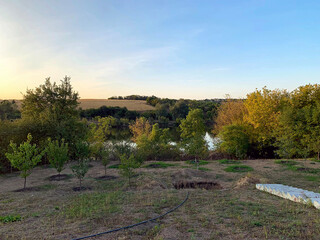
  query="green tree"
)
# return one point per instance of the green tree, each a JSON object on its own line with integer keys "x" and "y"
{"x": 98, "y": 135}
{"x": 9, "y": 110}
{"x": 127, "y": 166}
{"x": 193, "y": 125}
{"x": 235, "y": 140}
{"x": 25, "y": 157}
{"x": 105, "y": 158}
{"x": 57, "y": 154}
{"x": 82, "y": 152}
{"x": 192, "y": 134}
{"x": 53, "y": 109}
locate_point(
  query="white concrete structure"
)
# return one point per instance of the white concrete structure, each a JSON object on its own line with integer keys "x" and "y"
{"x": 291, "y": 193}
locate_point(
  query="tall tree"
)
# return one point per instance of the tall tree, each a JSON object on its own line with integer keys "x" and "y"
{"x": 230, "y": 112}
{"x": 192, "y": 134}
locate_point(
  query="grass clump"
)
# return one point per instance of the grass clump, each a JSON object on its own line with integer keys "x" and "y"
{"x": 286, "y": 162}
{"x": 10, "y": 218}
{"x": 312, "y": 178}
{"x": 160, "y": 165}
{"x": 204, "y": 169}
{"x": 229, "y": 161}
{"x": 114, "y": 166}
{"x": 304, "y": 169}
{"x": 238, "y": 168}
{"x": 200, "y": 162}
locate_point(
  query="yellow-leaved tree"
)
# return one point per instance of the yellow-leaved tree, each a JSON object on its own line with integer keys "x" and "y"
{"x": 263, "y": 111}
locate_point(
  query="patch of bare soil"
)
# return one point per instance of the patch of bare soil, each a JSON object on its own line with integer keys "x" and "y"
{"x": 28, "y": 189}
{"x": 170, "y": 233}
{"x": 60, "y": 177}
{"x": 78, "y": 189}
{"x": 106, "y": 177}
{"x": 195, "y": 184}
{"x": 246, "y": 181}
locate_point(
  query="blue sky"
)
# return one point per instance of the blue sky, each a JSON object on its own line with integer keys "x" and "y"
{"x": 177, "y": 49}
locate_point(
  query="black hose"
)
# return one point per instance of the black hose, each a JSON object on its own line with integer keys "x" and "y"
{"x": 136, "y": 224}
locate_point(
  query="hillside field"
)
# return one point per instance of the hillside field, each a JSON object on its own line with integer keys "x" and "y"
{"x": 132, "y": 105}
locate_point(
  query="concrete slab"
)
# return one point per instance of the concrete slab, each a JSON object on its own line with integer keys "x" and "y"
{"x": 292, "y": 193}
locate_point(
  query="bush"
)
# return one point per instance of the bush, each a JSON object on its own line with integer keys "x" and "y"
{"x": 57, "y": 154}
{"x": 25, "y": 157}
{"x": 127, "y": 166}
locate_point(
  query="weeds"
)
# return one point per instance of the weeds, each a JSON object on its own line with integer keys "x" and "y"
{"x": 229, "y": 161}
{"x": 10, "y": 218}
{"x": 238, "y": 168}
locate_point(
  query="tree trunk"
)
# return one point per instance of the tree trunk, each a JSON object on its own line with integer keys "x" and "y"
{"x": 80, "y": 184}
{"x": 25, "y": 182}
{"x": 105, "y": 170}
{"x": 197, "y": 163}
{"x": 318, "y": 155}
{"x": 59, "y": 176}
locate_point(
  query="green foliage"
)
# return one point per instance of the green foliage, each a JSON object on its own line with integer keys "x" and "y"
{"x": 104, "y": 155}
{"x": 114, "y": 166}
{"x": 193, "y": 125}
{"x": 9, "y": 110}
{"x": 286, "y": 162}
{"x": 25, "y": 157}
{"x": 57, "y": 154}
{"x": 238, "y": 168}
{"x": 51, "y": 102}
{"x": 192, "y": 134}
{"x": 200, "y": 162}
{"x": 10, "y": 218}
{"x": 117, "y": 149}
{"x": 50, "y": 110}
{"x": 229, "y": 161}
{"x": 82, "y": 152}
{"x": 152, "y": 142}
{"x": 127, "y": 166}
{"x": 196, "y": 147}
{"x": 235, "y": 140}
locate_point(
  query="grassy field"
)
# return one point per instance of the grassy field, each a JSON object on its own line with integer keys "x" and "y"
{"x": 133, "y": 105}
{"x": 235, "y": 210}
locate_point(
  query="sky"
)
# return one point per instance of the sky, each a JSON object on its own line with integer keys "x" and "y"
{"x": 169, "y": 48}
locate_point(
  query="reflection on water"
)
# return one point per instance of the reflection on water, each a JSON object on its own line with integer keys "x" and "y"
{"x": 123, "y": 136}
{"x": 211, "y": 141}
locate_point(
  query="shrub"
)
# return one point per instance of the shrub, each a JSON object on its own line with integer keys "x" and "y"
{"x": 57, "y": 154}
{"x": 25, "y": 157}
{"x": 127, "y": 166}
{"x": 82, "y": 166}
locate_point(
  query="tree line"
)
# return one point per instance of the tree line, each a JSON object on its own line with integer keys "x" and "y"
{"x": 272, "y": 123}
{"x": 51, "y": 130}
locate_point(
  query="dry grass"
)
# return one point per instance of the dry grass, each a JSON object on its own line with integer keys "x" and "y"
{"x": 132, "y": 105}
{"x": 54, "y": 211}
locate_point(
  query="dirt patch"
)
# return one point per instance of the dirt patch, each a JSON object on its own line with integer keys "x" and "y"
{"x": 106, "y": 178}
{"x": 78, "y": 189}
{"x": 194, "y": 184}
{"x": 246, "y": 181}
{"x": 170, "y": 233}
{"x": 28, "y": 189}
{"x": 59, "y": 178}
